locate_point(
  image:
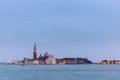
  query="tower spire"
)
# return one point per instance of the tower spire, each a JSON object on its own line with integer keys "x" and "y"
{"x": 35, "y": 47}
{"x": 34, "y": 52}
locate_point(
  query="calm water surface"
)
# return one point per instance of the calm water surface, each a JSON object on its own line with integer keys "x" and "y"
{"x": 60, "y": 72}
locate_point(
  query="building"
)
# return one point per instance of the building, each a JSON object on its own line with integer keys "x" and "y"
{"x": 46, "y": 59}
{"x": 73, "y": 61}
{"x": 50, "y": 60}
{"x": 19, "y": 62}
{"x": 60, "y": 61}
{"x": 109, "y": 62}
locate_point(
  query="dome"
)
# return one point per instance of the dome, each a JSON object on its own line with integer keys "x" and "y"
{"x": 46, "y": 54}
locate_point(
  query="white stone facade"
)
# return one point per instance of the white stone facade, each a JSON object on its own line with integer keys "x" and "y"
{"x": 50, "y": 60}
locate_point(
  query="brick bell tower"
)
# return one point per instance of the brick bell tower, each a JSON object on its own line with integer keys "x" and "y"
{"x": 34, "y": 52}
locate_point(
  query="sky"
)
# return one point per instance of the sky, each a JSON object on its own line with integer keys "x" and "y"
{"x": 65, "y": 28}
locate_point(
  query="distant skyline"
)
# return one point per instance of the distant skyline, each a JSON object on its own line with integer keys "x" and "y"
{"x": 64, "y": 28}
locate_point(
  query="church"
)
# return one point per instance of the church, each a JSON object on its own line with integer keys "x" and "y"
{"x": 45, "y": 59}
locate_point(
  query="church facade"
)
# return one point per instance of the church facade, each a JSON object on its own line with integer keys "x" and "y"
{"x": 45, "y": 59}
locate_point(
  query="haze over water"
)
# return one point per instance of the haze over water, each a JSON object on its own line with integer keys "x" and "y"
{"x": 60, "y": 72}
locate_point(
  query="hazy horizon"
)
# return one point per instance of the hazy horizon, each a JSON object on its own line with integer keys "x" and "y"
{"x": 65, "y": 28}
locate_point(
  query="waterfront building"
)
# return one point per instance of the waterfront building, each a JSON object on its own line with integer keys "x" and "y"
{"x": 73, "y": 61}
{"x": 70, "y": 60}
{"x": 60, "y": 61}
{"x": 50, "y": 60}
{"x": 109, "y": 62}
{"x": 77, "y": 61}
{"x": 19, "y": 62}
{"x": 46, "y": 59}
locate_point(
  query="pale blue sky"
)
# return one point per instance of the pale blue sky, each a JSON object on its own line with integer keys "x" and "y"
{"x": 64, "y": 28}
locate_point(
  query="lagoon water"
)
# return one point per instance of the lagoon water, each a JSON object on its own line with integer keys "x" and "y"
{"x": 60, "y": 72}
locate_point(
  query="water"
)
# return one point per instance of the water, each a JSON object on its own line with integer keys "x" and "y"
{"x": 60, "y": 72}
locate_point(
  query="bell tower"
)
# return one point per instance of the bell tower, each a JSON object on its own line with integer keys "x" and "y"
{"x": 34, "y": 52}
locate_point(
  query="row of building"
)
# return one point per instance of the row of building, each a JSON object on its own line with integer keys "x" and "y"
{"x": 109, "y": 62}
{"x": 50, "y": 59}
